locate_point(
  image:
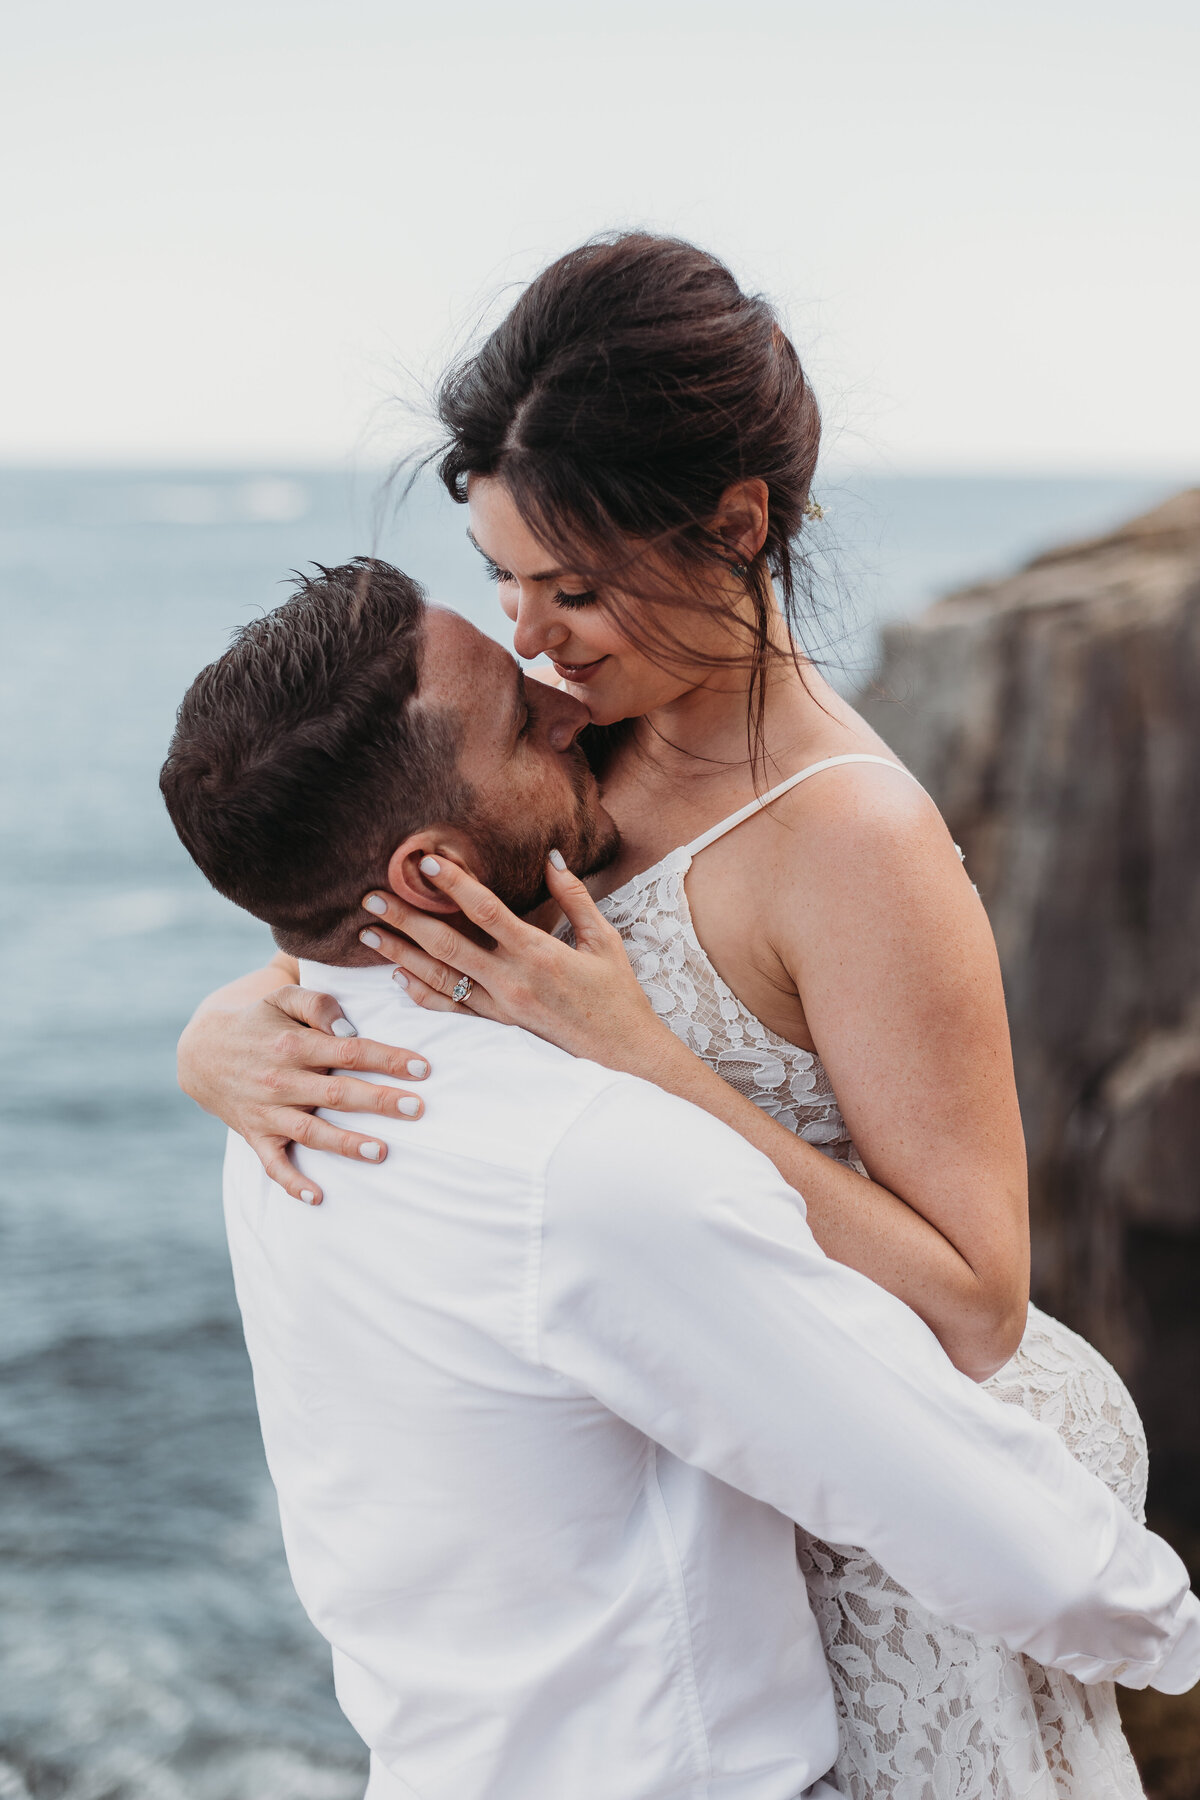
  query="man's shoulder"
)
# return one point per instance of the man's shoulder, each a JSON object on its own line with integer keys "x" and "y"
{"x": 500, "y": 1092}
{"x": 639, "y": 1150}
{"x": 495, "y": 1093}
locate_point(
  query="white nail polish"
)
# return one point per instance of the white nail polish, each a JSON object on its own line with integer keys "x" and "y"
{"x": 400, "y": 978}
{"x": 430, "y": 866}
{"x": 343, "y": 1028}
{"x": 372, "y": 1152}
{"x": 409, "y": 1107}
{"x": 374, "y": 904}
{"x": 308, "y": 1197}
{"x": 417, "y": 1068}
{"x": 556, "y": 858}
{"x": 371, "y": 939}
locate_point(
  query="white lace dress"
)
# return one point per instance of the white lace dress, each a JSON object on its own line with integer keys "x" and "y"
{"x": 927, "y": 1711}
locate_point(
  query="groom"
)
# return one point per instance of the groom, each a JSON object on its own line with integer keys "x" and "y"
{"x": 543, "y": 1393}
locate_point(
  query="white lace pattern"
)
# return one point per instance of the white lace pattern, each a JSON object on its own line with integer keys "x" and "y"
{"x": 927, "y": 1711}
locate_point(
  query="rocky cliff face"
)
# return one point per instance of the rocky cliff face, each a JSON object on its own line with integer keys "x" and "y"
{"x": 1055, "y": 717}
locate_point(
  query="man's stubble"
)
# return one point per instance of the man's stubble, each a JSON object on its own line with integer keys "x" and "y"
{"x": 516, "y": 862}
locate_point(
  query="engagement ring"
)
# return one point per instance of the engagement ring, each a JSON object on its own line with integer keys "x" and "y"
{"x": 462, "y": 989}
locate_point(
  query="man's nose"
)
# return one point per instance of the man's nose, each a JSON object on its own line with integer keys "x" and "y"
{"x": 568, "y": 719}
{"x": 536, "y": 629}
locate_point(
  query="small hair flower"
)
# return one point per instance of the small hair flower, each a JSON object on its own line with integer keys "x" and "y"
{"x": 814, "y": 510}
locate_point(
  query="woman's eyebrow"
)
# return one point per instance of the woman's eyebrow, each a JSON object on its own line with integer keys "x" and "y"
{"x": 547, "y": 575}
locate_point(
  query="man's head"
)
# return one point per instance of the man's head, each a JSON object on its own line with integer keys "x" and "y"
{"x": 355, "y": 730}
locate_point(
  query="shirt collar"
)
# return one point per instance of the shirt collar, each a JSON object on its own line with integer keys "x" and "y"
{"x": 373, "y": 982}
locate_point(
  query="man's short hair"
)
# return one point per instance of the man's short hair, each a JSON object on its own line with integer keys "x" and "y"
{"x": 304, "y": 755}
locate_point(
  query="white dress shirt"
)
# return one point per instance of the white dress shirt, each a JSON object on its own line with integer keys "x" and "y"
{"x": 541, "y": 1395}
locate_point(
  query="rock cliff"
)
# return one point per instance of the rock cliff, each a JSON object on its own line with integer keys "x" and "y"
{"x": 1055, "y": 717}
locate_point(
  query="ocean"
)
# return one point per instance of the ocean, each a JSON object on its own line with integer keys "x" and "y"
{"x": 150, "y": 1645}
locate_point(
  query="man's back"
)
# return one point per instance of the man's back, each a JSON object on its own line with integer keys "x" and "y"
{"x": 507, "y": 1570}
{"x": 537, "y": 1394}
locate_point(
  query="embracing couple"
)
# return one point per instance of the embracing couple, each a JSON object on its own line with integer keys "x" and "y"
{"x": 654, "y": 1402}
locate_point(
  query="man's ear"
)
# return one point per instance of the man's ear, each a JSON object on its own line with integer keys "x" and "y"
{"x": 404, "y": 875}
{"x": 742, "y": 517}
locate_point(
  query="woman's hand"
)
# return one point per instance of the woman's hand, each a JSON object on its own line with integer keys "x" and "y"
{"x": 586, "y": 1000}
{"x": 265, "y": 1067}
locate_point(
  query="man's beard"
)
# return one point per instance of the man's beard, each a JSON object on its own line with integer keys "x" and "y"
{"x": 516, "y": 863}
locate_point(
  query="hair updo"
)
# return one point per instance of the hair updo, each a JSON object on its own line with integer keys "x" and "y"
{"x": 632, "y": 383}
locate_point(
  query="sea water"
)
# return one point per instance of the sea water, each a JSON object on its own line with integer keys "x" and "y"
{"x": 150, "y": 1644}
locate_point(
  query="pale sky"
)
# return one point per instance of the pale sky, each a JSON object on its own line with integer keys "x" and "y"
{"x": 228, "y": 227}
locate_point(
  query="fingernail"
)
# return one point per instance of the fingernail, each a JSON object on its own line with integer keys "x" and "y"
{"x": 308, "y": 1197}
{"x": 371, "y": 939}
{"x": 416, "y": 1067}
{"x": 375, "y": 904}
{"x": 408, "y": 1106}
{"x": 430, "y": 866}
{"x": 556, "y": 859}
{"x": 372, "y": 1152}
{"x": 400, "y": 978}
{"x": 343, "y": 1028}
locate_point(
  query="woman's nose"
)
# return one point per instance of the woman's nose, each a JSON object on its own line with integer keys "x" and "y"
{"x": 535, "y": 628}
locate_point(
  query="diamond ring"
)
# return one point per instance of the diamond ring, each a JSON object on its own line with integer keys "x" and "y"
{"x": 462, "y": 989}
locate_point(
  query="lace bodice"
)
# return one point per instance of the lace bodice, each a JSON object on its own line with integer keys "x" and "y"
{"x": 651, "y": 913}
{"x": 927, "y": 1711}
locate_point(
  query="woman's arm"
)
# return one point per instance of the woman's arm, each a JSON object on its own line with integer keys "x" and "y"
{"x": 873, "y": 921}
{"x": 969, "y": 1282}
{"x": 263, "y": 1053}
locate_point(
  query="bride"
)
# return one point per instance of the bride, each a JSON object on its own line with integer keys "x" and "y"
{"x": 636, "y": 444}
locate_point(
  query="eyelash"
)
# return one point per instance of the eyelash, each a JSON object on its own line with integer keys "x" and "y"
{"x": 570, "y": 602}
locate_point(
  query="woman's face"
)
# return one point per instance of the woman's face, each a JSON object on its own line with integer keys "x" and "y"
{"x": 555, "y": 615}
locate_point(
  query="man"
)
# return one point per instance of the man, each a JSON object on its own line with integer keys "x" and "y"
{"x": 543, "y": 1394}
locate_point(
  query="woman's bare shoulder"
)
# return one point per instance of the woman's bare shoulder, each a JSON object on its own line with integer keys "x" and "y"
{"x": 863, "y": 840}
{"x": 848, "y": 802}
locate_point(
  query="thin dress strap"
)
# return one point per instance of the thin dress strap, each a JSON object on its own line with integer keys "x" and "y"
{"x": 747, "y": 812}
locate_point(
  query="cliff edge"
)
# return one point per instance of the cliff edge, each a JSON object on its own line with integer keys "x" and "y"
{"x": 1055, "y": 718}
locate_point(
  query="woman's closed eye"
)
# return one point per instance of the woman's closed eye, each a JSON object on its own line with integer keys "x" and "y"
{"x": 504, "y": 577}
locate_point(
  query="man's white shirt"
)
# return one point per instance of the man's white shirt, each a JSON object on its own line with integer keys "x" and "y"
{"x": 541, "y": 1396}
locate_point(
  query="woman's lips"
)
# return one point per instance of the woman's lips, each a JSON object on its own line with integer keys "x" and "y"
{"x": 575, "y": 673}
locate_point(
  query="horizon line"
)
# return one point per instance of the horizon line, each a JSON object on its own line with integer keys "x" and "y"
{"x": 1187, "y": 474}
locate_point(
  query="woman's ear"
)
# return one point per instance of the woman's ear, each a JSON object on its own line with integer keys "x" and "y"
{"x": 742, "y": 517}
{"x": 404, "y": 869}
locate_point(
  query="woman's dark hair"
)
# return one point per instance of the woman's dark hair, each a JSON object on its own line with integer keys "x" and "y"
{"x": 632, "y": 383}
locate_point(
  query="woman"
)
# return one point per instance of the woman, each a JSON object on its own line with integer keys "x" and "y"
{"x": 636, "y": 443}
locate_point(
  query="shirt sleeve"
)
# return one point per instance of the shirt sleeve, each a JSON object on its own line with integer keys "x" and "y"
{"x": 680, "y": 1285}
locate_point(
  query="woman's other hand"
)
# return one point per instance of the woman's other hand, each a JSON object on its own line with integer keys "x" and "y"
{"x": 265, "y": 1067}
{"x": 586, "y": 1000}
